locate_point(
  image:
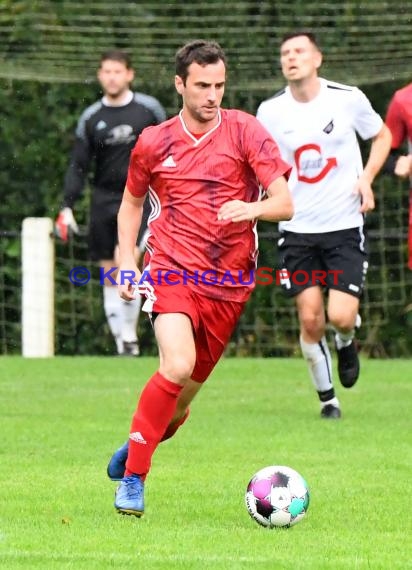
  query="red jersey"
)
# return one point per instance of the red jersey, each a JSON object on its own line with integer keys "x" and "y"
{"x": 189, "y": 179}
{"x": 399, "y": 121}
{"x": 399, "y": 117}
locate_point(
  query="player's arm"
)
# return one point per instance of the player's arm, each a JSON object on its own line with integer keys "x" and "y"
{"x": 76, "y": 173}
{"x": 74, "y": 183}
{"x": 379, "y": 151}
{"x": 129, "y": 219}
{"x": 153, "y": 105}
{"x": 403, "y": 166}
{"x": 397, "y": 163}
{"x": 276, "y": 207}
{"x": 279, "y": 204}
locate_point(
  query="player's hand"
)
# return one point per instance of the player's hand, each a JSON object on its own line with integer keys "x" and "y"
{"x": 237, "y": 211}
{"x": 364, "y": 188}
{"x": 128, "y": 277}
{"x": 65, "y": 224}
{"x": 403, "y": 166}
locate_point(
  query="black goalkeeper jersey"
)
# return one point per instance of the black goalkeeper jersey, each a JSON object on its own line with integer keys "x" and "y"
{"x": 107, "y": 134}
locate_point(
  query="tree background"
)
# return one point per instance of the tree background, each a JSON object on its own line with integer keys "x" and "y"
{"x": 48, "y": 57}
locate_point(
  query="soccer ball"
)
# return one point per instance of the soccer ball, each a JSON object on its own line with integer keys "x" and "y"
{"x": 277, "y": 496}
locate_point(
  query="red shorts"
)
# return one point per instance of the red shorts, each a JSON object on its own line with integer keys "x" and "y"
{"x": 213, "y": 321}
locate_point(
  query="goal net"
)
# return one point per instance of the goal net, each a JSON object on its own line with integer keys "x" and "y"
{"x": 364, "y": 42}
{"x": 268, "y": 327}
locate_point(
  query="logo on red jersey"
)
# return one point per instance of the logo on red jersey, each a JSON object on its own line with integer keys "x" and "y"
{"x": 312, "y": 163}
{"x": 169, "y": 161}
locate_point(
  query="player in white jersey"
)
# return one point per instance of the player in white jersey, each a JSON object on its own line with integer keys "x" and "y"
{"x": 316, "y": 123}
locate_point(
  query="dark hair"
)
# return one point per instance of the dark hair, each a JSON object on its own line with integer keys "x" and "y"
{"x": 310, "y": 35}
{"x": 116, "y": 55}
{"x": 197, "y": 51}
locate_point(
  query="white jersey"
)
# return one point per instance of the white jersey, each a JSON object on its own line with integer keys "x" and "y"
{"x": 319, "y": 140}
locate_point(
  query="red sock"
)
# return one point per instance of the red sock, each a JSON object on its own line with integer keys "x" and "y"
{"x": 155, "y": 409}
{"x": 174, "y": 426}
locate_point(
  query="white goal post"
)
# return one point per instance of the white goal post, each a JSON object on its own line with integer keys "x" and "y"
{"x": 37, "y": 287}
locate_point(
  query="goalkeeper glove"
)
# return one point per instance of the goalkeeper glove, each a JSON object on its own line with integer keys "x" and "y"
{"x": 65, "y": 224}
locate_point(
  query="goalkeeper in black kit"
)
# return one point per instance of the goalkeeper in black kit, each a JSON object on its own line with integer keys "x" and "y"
{"x": 105, "y": 136}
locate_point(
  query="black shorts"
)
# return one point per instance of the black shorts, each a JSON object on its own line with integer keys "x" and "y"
{"x": 333, "y": 260}
{"x": 103, "y": 225}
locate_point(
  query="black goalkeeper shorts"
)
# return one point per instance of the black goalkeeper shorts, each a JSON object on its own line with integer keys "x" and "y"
{"x": 103, "y": 225}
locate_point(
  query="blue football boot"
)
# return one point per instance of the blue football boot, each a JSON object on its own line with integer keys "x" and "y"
{"x": 117, "y": 463}
{"x": 129, "y": 497}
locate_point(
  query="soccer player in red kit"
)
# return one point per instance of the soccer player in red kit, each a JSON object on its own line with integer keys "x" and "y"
{"x": 205, "y": 170}
{"x": 399, "y": 121}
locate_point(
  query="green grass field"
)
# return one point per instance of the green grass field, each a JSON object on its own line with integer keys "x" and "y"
{"x": 62, "y": 418}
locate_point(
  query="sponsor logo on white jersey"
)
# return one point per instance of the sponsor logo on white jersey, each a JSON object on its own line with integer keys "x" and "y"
{"x": 329, "y": 127}
{"x": 310, "y": 165}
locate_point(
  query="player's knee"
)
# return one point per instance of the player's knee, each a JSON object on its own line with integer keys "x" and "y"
{"x": 312, "y": 325}
{"x": 343, "y": 321}
{"x": 178, "y": 368}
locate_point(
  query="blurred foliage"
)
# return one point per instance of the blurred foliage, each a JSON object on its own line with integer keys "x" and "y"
{"x": 37, "y": 131}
